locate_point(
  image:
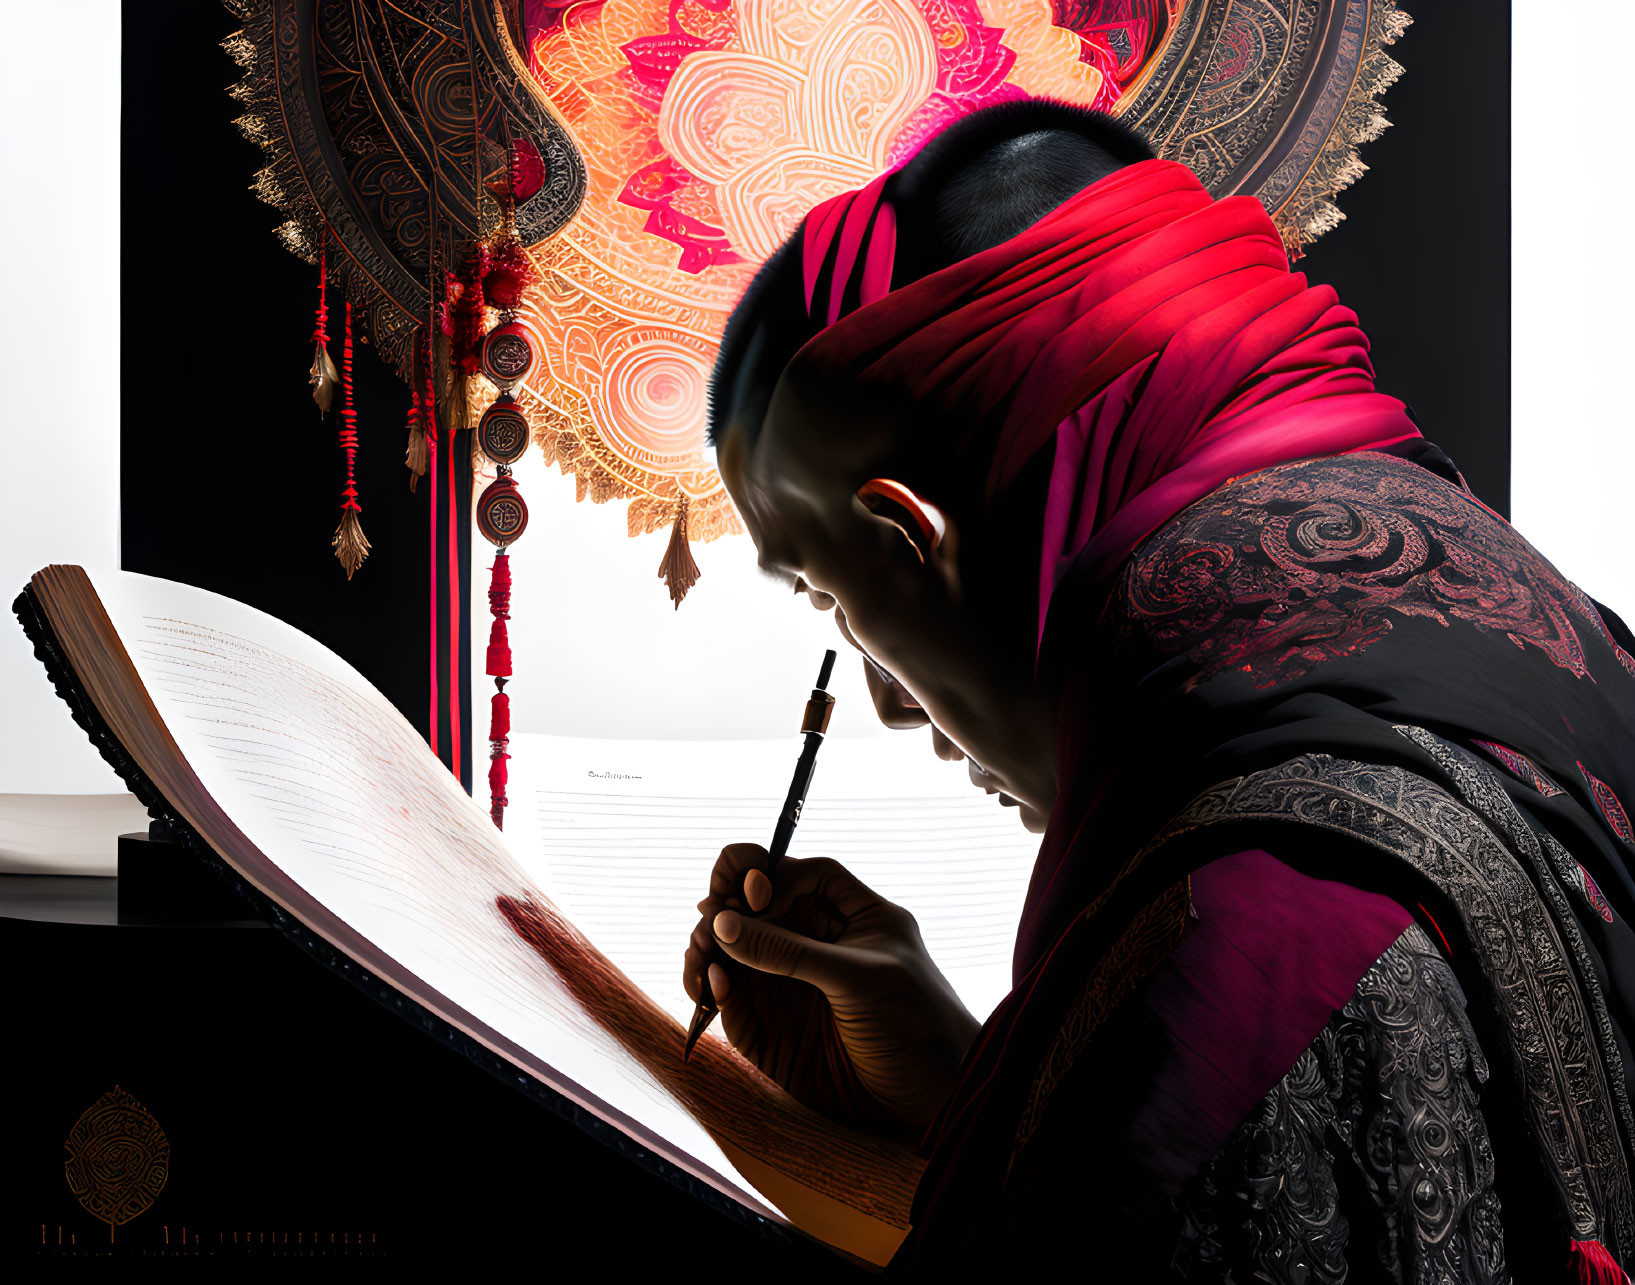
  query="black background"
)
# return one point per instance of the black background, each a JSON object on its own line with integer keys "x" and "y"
{"x": 293, "y": 1102}
{"x": 229, "y": 478}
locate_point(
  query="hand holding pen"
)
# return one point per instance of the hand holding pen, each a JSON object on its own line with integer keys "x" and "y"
{"x": 822, "y": 984}
{"x": 814, "y": 723}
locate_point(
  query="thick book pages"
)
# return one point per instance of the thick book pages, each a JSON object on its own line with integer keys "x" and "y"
{"x": 311, "y": 786}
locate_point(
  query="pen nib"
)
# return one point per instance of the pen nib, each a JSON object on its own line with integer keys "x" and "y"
{"x": 702, "y": 1018}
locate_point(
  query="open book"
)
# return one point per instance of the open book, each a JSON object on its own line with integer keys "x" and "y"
{"x": 551, "y": 954}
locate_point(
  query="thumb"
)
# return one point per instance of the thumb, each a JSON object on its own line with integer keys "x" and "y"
{"x": 771, "y": 948}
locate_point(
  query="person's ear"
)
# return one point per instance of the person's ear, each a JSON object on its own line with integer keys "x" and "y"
{"x": 928, "y": 528}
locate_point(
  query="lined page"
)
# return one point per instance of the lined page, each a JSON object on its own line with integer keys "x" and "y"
{"x": 623, "y": 835}
{"x": 337, "y": 789}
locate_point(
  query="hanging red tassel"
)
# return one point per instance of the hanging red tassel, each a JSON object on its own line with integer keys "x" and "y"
{"x": 499, "y": 733}
{"x": 497, "y": 777}
{"x": 349, "y": 543}
{"x": 499, "y": 668}
{"x": 428, "y": 396}
{"x": 414, "y": 455}
{"x": 1592, "y": 1264}
{"x": 678, "y": 570}
{"x": 450, "y": 382}
{"x": 499, "y": 606}
{"x": 322, "y": 376}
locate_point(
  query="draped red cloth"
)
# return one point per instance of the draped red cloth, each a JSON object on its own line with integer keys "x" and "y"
{"x": 1155, "y": 341}
{"x": 1149, "y": 345}
{"x": 1150, "y": 335}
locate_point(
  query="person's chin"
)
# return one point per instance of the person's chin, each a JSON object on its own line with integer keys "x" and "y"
{"x": 1033, "y": 821}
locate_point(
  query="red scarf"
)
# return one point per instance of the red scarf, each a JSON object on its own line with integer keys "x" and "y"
{"x": 1155, "y": 340}
{"x": 1154, "y": 337}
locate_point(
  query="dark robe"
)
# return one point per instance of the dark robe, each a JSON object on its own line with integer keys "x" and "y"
{"x": 1378, "y": 681}
{"x": 1329, "y": 928}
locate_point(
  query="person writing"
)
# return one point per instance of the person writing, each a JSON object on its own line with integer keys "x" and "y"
{"x": 1324, "y": 971}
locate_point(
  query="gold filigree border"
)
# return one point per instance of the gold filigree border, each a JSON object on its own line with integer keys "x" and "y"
{"x": 1310, "y": 210}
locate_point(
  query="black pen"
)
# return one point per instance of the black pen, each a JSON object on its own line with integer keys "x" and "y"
{"x": 813, "y": 724}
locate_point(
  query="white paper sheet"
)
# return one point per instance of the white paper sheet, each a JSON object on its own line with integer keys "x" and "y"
{"x": 337, "y": 789}
{"x": 624, "y": 835}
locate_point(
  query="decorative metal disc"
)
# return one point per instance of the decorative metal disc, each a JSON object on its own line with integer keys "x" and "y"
{"x": 502, "y": 517}
{"x": 503, "y": 432}
{"x": 508, "y": 354}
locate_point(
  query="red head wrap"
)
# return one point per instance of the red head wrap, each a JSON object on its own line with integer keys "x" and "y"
{"x": 1153, "y": 336}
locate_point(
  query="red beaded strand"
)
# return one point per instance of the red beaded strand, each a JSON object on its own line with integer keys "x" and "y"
{"x": 322, "y": 376}
{"x": 499, "y": 669}
{"x": 349, "y": 543}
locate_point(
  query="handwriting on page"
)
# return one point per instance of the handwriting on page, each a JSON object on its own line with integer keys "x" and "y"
{"x": 338, "y": 790}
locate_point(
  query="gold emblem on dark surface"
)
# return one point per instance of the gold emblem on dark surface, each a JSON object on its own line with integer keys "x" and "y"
{"x": 118, "y": 1158}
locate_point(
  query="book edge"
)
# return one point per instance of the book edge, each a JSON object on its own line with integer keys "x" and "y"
{"x": 35, "y": 622}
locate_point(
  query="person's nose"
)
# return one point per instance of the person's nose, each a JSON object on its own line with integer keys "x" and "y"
{"x": 822, "y": 601}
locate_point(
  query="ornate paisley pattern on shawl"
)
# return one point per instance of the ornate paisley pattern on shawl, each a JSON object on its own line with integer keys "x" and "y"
{"x": 1327, "y": 642}
{"x": 1294, "y": 567}
{"x": 1393, "y": 1081}
{"x": 1544, "y": 996}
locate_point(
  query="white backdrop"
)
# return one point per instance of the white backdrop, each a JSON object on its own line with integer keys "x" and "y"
{"x": 59, "y": 486}
{"x": 1572, "y": 335}
{"x": 600, "y": 651}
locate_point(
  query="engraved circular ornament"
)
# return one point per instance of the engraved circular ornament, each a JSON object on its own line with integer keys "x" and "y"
{"x": 503, "y": 433}
{"x": 508, "y": 354}
{"x": 501, "y": 515}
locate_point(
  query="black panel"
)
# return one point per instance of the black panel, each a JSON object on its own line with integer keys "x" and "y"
{"x": 1424, "y": 253}
{"x": 229, "y": 480}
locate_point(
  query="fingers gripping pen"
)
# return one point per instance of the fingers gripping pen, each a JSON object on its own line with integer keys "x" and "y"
{"x": 814, "y": 723}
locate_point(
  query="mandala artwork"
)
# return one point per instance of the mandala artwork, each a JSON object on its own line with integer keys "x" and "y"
{"x": 683, "y": 140}
{"x": 541, "y": 212}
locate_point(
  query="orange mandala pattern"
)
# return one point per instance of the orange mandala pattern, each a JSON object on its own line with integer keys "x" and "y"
{"x": 682, "y": 141}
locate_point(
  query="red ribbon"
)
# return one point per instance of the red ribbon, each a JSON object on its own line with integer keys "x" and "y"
{"x": 428, "y": 420}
